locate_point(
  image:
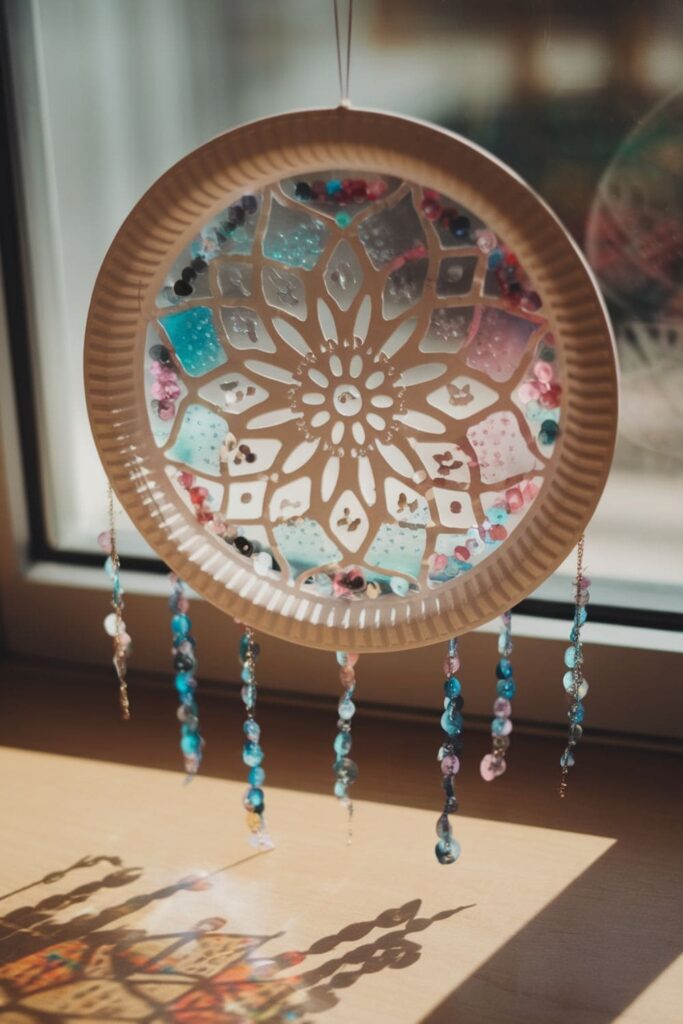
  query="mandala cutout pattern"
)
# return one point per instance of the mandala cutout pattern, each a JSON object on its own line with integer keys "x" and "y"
{"x": 354, "y": 385}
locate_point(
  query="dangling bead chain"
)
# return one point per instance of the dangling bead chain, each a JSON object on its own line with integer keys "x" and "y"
{"x": 114, "y": 626}
{"x": 252, "y": 754}
{"x": 185, "y": 665}
{"x": 448, "y": 849}
{"x": 493, "y": 764}
{"x": 573, "y": 680}
{"x": 344, "y": 768}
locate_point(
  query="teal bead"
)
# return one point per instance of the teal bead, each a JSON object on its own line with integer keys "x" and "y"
{"x": 451, "y": 723}
{"x": 343, "y": 219}
{"x": 346, "y": 709}
{"x": 190, "y": 743}
{"x": 244, "y": 646}
{"x": 567, "y": 759}
{"x": 334, "y": 185}
{"x": 447, "y": 851}
{"x": 500, "y": 726}
{"x": 252, "y": 730}
{"x": 109, "y": 567}
{"x": 506, "y": 688}
{"x": 180, "y": 625}
{"x": 248, "y": 694}
{"x": 256, "y": 776}
{"x": 504, "y": 668}
{"x": 452, "y": 687}
{"x": 252, "y": 754}
{"x": 577, "y": 714}
{"x": 341, "y": 658}
{"x": 570, "y": 657}
{"x": 580, "y": 616}
{"x": 247, "y": 674}
{"x": 548, "y": 432}
{"x": 254, "y": 799}
{"x": 339, "y": 790}
{"x": 496, "y": 514}
{"x": 342, "y": 743}
{"x": 443, "y": 827}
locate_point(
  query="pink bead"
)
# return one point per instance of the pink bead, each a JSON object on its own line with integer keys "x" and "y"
{"x": 544, "y": 372}
{"x": 104, "y": 541}
{"x": 439, "y": 562}
{"x": 171, "y": 390}
{"x": 585, "y": 582}
{"x": 352, "y": 658}
{"x": 486, "y": 241}
{"x": 186, "y": 480}
{"x": 450, "y": 765}
{"x": 166, "y": 409}
{"x": 183, "y": 605}
{"x": 451, "y": 666}
{"x": 376, "y": 189}
{"x": 347, "y": 676}
{"x": 502, "y": 707}
{"x": 491, "y": 767}
{"x": 462, "y": 553}
{"x": 528, "y": 391}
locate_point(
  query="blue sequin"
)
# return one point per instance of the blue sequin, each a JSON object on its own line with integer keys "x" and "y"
{"x": 495, "y": 259}
{"x": 504, "y": 669}
{"x": 496, "y": 514}
{"x": 252, "y": 730}
{"x": 256, "y": 776}
{"x": 252, "y": 754}
{"x": 342, "y": 744}
{"x": 498, "y": 726}
{"x": 452, "y": 687}
{"x": 577, "y": 714}
{"x": 247, "y": 674}
{"x": 180, "y": 625}
{"x": 190, "y": 743}
{"x": 570, "y": 657}
{"x": 452, "y": 723}
{"x": 339, "y": 790}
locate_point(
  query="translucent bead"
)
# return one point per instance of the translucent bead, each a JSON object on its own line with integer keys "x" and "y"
{"x": 254, "y": 799}
{"x": 452, "y": 687}
{"x": 447, "y": 851}
{"x": 244, "y": 646}
{"x": 451, "y": 665}
{"x": 570, "y": 657}
{"x": 456, "y": 703}
{"x": 501, "y": 727}
{"x": 190, "y": 743}
{"x": 567, "y": 759}
{"x": 110, "y": 624}
{"x": 346, "y": 769}
{"x": 451, "y": 724}
{"x": 500, "y": 743}
{"x": 347, "y": 676}
{"x": 575, "y": 732}
{"x": 582, "y": 598}
{"x": 577, "y": 714}
{"x": 247, "y": 674}
{"x": 252, "y": 730}
{"x": 185, "y": 685}
{"x": 252, "y": 754}
{"x": 503, "y": 641}
{"x": 104, "y": 540}
{"x": 248, "y": 694}
{"x": 341, "y": 658}
{"x": 491, "y": 766}
{"x": 504, "y": 669}
{"x": 339, "y": 789}
{"x": 506, "y": 688}
{"x": 450, "y": 764}
{"x": 443, "y": 827}
{"x": 342, "y": 743}
{"x": 109, "y": 567}
{"x": 180, "y": 625}
{"x": 568, "y": 683}
{"x": 256, "y": 776}
{"x": 580, "y": 616}
{"x": 502, "y": 708}
{"x": 346, "y": 709}
{"x": 190, "y": 721}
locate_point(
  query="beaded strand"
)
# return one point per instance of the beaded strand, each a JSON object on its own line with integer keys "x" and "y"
{"x": 114, "y": 626}
{"x": 252, "y": 753}
{"x": 494, "y": 764}
{"x": 574, "y": 683}
{"x": 345, "y": 770}
{"x": 185, "y": 664}
{"x": 447, "y": 849}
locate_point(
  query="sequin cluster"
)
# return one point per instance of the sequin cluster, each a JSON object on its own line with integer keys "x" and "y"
{"x": 494, "y": 764}
{"x": 541, "y": 393}
{"x": 448, "y": 217}
{"x": 345, "y": 770}
{"x": 114, "y": 626}
{"x": 573, "y": 681}
{"x": 512, "y": 281}
{"x": 185, "y": 666}
{"x": 447, "y": 849}
{"x": 201, "y": 503}
{"x": 252, "y": 752}
{"x": 165, "y": 389}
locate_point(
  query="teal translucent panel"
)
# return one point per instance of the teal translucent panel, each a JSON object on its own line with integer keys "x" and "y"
{"x": 398, "y": 549}
{"x": 305, "y": 545}
{"x": 199, "y": 440}
{"x": 195, "y": 341}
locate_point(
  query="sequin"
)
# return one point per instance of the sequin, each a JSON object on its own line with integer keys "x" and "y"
{"x": 252, "y": 754}
{"x": 506, "y": 688}
{"x": 452, "y": 687}
{"x": 447, "y": 851}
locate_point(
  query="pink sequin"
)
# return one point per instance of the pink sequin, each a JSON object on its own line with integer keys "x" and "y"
{"x": 450, "y": 765}
{"x": 502, "y": 707}
{"x": 104, "y": 541}
{"x": 491, "y": 767}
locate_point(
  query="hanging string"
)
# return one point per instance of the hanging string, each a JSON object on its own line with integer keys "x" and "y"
{"x": 344, "y": 74}
{"x": 574, "y": 682}
{"x": 494, "y": 764}
{"x": 114, "y": 626}
{"x": 448, "y": 848}
{"x": 345, "y": 769}
{"x": 185, "y": 667}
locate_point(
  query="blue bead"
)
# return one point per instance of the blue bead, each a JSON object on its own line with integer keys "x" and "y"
{"x": 247, "y": 674}
{"x": 190, "y": 743}
{"x": 244, "y": 646}
{"x": 451, "y": 723}
{"x": 506, "y": 688}
{"x": 109, "y": 567}
{"x": 252, "y": 754}
{"x": 498, "y": 726}
{"x": 255, "y": 798}
{"x": 447, "y": 851}
{"x": 333, "y": 186}
{"x": 180, "y": 625}
{"x": 346, "y": 709}
{"x": 341, "y": 658}
{"x": 452, "y": 687}
{"x": 339, "y": 790}
{"x": 496, "y": 514}
{"x": 256, "y": 776}
{"x": 570, "y": 657}
{"x": 252, "y": 730}
{"x": 567, "y": 759}
{"x": 342, "y": 743}
{"x": 580, "y": 615}
{"x": 248, "y": 694}
{"x": 578, "y": 713}
{"x": 504, "y": 669}
{"x": 495, "y": 259}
